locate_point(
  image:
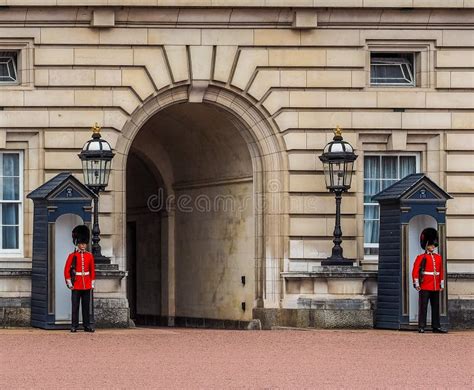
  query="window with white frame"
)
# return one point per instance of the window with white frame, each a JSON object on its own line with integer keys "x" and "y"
{"x": 392, "y": 69}
{"x": 8, "y": 67}
{"x": 11, "y": 190}
{"x": 381, "y": 171}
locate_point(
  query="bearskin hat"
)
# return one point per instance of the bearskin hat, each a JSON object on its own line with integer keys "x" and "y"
{"x": 429, "y": 236}
{"x": 80, "y": 235}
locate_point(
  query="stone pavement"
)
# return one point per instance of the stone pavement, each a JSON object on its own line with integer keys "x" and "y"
{"x": 170, "y": 358}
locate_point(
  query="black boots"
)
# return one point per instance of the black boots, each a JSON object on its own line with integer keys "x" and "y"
{"x": 86, "y": 329}
{"x": 435, "y": 330}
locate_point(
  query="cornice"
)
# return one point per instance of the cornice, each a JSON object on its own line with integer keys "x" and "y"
{"x": 248, "y": 3}
{"x": 263, "y": 17}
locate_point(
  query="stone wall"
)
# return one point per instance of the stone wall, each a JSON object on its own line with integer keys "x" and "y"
{"x": 214, "y": 250}
{"x": 303, "y": 73}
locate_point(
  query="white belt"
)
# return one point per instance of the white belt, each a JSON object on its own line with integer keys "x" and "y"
{"x": 87, "y": 273}
{"x": 431, "y": 273}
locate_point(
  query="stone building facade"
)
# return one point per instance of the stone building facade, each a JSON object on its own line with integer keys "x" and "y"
{"x": 221, "y": 109}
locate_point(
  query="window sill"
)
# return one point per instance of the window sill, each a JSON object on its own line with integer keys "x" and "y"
{"x": 384, "y": 88}
{"x": 371, "y": 259}
{"x": 16, "y": 87}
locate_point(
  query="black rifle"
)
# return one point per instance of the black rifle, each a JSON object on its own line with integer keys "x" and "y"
{"x": 422, "y": 269}
{"x": 72, "y": 270}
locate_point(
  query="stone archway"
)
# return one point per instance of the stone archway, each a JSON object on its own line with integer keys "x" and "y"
{"x": 264, "y": 173}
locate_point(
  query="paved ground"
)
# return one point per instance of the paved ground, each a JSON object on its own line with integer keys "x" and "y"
{"x": 171, "y": 358}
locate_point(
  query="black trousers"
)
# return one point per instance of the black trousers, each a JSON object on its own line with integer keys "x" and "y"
{"x": 433, "y": 297}
{"x": 84, "y": 296}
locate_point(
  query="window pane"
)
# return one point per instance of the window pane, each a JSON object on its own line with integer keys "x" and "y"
{"x": 409, "y": 74}
{"x": 391, "y": 74}
{"x": 371, "y": 187}
{"x": 371, "y": 251}
{"x": 371, "y": 212}
{"x": 9, "y": 237}
{"x": 380, "y": 172}
{"x": 389, "y": 167}
{"x": 371, "y": 232}
{"x": 392, "y": 68}
{"x": 8, "y": 67}
{"x": 371, "y": 167}
{"x": 371, "y": 224}
{"x": 11, "y": 188}
{"x": 387, "y": 73}
{"x": 11, "y": 164}
{"x": 10, "y": 191}
{"x": 387, "y": 183}
{"x": 407, "y": 165}
{"x": 10, "y": 214}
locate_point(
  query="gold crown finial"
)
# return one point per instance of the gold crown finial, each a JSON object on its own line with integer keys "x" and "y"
{"x": 96, "y": 128}
{"x": 338, "y": 131}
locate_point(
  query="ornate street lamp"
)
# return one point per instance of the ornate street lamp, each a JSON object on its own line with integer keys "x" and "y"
{"x": 96, "y": 157}
{"x": 338, "y": 159}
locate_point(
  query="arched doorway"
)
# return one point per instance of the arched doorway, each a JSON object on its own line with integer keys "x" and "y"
{"x": 191, "y": 251}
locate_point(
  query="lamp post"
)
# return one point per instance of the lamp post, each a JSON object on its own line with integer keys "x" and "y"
{"x": 96, "y": 157}
{"x": 338, "y": 159}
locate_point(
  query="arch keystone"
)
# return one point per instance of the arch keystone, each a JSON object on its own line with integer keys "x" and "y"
{"x": 197, "y": 90}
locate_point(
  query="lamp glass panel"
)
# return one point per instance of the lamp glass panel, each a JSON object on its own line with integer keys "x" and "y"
{"x": 94, "y": 171}
{"x": 104, "y": 172}
{"x": 337, "y": 174}
{"x": 97, "y": 171}
{"x": 327, "y": 174}
{"x": 91, "y": 172}
{"x": 331, "y": 174}
{"x": 85, "y": 172}
{"x": 107, "y": 172}
{"x": 100, "y": 179}
{"x": 348, "y": 173}
{"x": 94, "y": 146}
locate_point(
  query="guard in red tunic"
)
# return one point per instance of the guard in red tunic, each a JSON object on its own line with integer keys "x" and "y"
{"x": 428, "y": 279}
{"x": 79, "y": 273}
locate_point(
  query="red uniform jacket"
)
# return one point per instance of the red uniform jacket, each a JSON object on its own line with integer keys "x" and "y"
{"x": 85, "y": 270}
{"x": 433, "y": 278}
